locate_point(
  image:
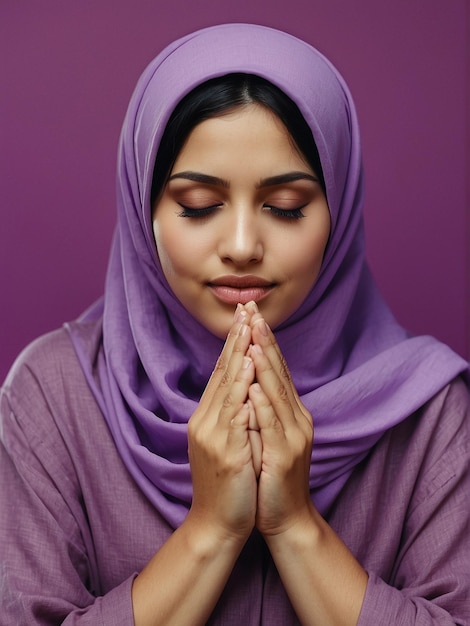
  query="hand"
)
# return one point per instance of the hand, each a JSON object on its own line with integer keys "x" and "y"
{"x": 220, "y": 452}
{"x": 286, "y": 433}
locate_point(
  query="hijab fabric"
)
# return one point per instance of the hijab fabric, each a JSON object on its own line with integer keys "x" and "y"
{"x": 357, "y": 371}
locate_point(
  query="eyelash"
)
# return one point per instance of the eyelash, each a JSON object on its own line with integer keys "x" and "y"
{"x": 202, "y": 212}
{"x": 290, "y": 214}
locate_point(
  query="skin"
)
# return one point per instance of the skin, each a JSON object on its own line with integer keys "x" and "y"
{"x": 250, "y": 439}
{"x": 243, "y": 235}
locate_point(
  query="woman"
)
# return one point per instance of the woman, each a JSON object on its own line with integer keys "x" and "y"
{"x": 199, "y": 498}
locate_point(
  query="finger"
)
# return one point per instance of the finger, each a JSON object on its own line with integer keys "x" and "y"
{"x": 280, "y": 445}
{"x": 262, "y": 335}
{"x": 256, "y": 450}
{"x": 274, "y": 387}
{"x": 251, "y": 308}
{"x": 255, "y": 439}
{"x": 270, "y": 426}
{"x": 253, "y": 423}
{"x": 234, "y": 395}
{"x": 237, "y": 343}
{"x": 245, "y": 312}
{"x": 238, "y": 434}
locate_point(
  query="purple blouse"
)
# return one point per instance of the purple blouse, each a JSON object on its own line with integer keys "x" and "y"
{"x": 75, "y": 528}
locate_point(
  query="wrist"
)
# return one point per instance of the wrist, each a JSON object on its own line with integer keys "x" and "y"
{"x": 206, "y": 540}
{"x": 303, "y": 532}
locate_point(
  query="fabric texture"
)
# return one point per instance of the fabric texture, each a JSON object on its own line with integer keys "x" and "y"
{"x": 74, "y": 529}
{"x": 355, "y": 368}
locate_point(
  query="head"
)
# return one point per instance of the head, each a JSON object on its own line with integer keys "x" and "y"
{"x": 149, "y": 286}
{"x": 238, "y": 200}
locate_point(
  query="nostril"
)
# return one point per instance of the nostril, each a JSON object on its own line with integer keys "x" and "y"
{"x": 241, "y": 249}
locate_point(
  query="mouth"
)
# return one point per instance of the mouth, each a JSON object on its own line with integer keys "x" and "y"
{"x": 240, "y": 289}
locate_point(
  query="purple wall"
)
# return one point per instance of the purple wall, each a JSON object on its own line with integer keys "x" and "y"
{"x": 66, "y": 73}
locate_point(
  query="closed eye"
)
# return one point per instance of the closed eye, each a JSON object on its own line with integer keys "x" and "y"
{"x": 291, "y": 214}
{"x": 200, "y": 212}
{"x": 197, "y": 212}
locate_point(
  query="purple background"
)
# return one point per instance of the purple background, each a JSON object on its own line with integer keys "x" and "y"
{"x": 67, "y": 71}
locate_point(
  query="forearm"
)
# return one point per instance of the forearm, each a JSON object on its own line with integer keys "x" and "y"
{"x": 325, "y": 583}
{"x": 184, "y": 580}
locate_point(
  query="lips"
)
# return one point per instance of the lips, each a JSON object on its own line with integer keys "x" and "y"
{"x": 243, "y": 289}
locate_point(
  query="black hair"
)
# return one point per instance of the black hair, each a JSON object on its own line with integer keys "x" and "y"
{"x": 221, "y": 95}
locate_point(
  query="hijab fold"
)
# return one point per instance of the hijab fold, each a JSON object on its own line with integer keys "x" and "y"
{"x": 357, "y": 371}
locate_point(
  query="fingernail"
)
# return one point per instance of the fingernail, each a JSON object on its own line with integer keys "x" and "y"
{"x": 253, "y": 306}
{"x": 243, "y": 330}
{"x": 263, "y": 327}
{"x": 240, "y": 315}
{"x": 246, "y": 362}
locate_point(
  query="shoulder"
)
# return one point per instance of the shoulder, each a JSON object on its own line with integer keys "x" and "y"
{"x": 45, "y": 389}
{"x": 46, "y": 355}
{"x": 441, "y": 426}
{"x": 452, "y": 400}
{"x": 48, "y": 363}
{"x": 441, "y": 422}
{"x": 435, "y": 434}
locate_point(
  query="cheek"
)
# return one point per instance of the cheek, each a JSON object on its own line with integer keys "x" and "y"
{"x": 304, "y": 272}
{"x": 178, "y": 249}
{"x": 166, "y": 242}
{"x": 304, "y": 257}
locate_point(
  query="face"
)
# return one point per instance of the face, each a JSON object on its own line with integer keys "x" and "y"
{"x": 242, "y": 217}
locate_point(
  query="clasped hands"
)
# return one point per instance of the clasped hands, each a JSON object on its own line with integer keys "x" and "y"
{"x": 250, "y": 439}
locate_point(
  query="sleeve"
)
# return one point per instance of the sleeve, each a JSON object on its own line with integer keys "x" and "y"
{"x": 44, "y": 574}
{"x": 431, "y": 580}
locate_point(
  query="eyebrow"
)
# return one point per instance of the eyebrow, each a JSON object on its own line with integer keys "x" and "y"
{"x": 280, "y": 179}
{"x": 289, "y": 177}
{"x": 201, "y": 178}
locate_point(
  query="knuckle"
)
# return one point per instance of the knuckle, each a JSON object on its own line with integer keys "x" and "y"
{"x": 282, "y": 393}
{"x": 226, "y": 378}
{"x": 228, "y": 401}
{"x": 194, "y": 430}
{"x": 276, "y": 425}
{"x": 220, "y": 365}
{"x": 193, "y": 423}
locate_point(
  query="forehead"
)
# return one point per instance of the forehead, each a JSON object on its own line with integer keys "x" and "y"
{"x": 246, "y": 137}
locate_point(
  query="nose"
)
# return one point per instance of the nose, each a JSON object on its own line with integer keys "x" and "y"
{"x": 241, "y": 241}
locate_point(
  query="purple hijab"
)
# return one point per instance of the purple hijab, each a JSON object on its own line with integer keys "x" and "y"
{"x": 355, "y": 368}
